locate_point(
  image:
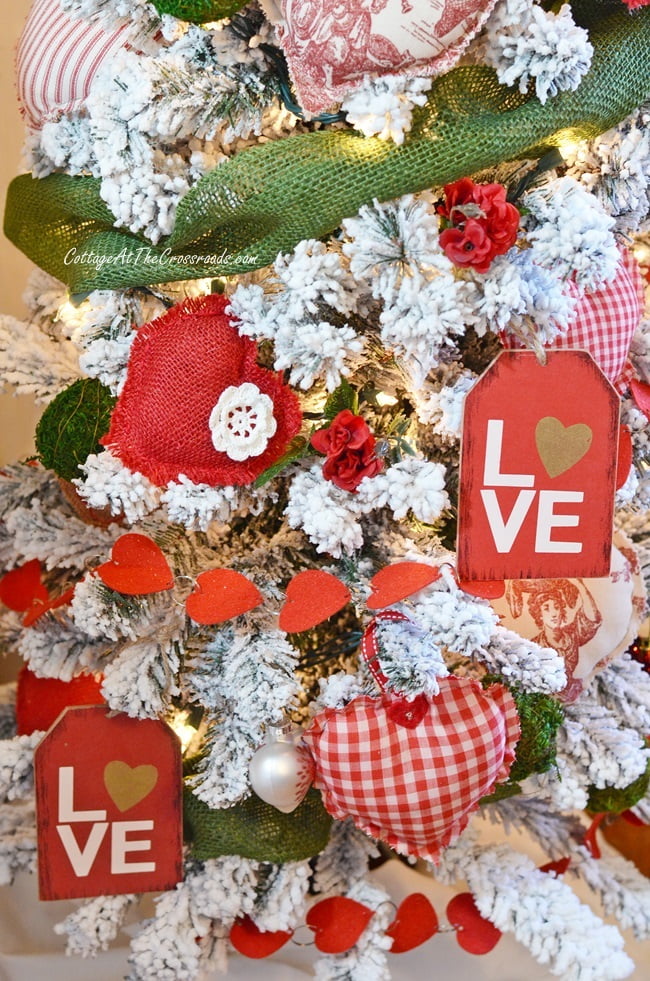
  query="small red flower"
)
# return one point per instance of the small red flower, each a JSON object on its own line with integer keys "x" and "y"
{"x": 634, "y": 4}
{"x": 484, "y": 224}
{"x": 349, "y": 447}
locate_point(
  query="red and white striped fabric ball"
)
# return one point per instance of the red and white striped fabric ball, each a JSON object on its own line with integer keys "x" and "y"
{"x": 57, "y": 59}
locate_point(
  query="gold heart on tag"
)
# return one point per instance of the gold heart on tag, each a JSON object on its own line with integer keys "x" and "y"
{"x": 128, "y": 785}
{"x": 561, "y": 447}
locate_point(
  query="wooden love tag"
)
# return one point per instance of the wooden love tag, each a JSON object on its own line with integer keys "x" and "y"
{"x": 538, "y": 469}
{"x": 108, "y": 805}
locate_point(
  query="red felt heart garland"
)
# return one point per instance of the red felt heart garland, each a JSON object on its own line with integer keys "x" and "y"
{"x": 137, "y": 567}
{"x": 338, "y": 922}
{"x": 312, "y": 597}
{"x": 220, "y": 594}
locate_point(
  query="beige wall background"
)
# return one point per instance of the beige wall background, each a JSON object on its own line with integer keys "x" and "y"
{"x": 18, "y": 414}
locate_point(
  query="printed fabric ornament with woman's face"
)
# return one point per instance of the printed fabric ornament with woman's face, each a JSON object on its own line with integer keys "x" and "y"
{"x": 588, "y": 621}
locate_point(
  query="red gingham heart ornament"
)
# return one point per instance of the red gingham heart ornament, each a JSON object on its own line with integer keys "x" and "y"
{"x": 604, "y": 321}
{"x": 415, "y": 788}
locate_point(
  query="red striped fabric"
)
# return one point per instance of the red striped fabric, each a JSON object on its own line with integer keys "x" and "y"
{"x": 57, "y": 59}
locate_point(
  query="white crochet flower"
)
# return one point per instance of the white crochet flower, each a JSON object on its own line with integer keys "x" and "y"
{"x": 242, "y": 421}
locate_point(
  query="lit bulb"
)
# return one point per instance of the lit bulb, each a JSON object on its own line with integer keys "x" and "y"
{"x": 384, "y": 399}
{"x": 183, "y": 729}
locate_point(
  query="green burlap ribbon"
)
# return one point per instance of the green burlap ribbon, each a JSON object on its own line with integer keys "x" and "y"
{"x": 256, "y": 830}
{"x": 268, "y": 198}
{"x": 199, "y": 11}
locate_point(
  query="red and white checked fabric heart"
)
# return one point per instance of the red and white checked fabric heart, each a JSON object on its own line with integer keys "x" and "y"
{"x": 415, "y": 788}
{"x": 605, "y": 321}
{"x": 57, "y": 59}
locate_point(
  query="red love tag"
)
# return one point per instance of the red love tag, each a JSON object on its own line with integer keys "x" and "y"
{"x": 474, "y": 933}
{"x": 22, "y": 587}
{"x": 136, "y": 567}
{"x": 415, "y": 922}
{"x": 108, "y": 805}
{"x": 220, "y": 595}
{"x": 249, "y": 940}
{"x": 397, "y": 581}
{"x": 312, "y": 597}
{"x": 338, "y": 922}
{"x": 538, "y": 469}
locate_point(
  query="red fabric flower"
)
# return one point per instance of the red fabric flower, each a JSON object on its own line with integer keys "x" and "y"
{"x": 178, "y": 368}
{"x": 350, "y": 450}
{"x": 484, "y": 224}
{"x": 633, "y": 4}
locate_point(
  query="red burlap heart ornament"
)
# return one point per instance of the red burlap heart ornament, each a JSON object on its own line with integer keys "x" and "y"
{"x": 179, "y": 366}
{"x": 22, "y": 586}
{"x": 221, "y": 594}
{"x": 415, "y": 922}
{"x": 338, "y": 922}
{"x": 57, "y": 59}
{"x": 397, "y": 581}
{"x": 474, "y": 933}
{"x": 312, "y": 596}
{"x": 604, "y": 321}
{"x": 136, "y": 567}
{"x": 249, "y": 940}
{"x": 415, "y": 788}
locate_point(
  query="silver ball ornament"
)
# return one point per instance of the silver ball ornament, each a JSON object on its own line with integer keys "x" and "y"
{"x": 281, "y": 771}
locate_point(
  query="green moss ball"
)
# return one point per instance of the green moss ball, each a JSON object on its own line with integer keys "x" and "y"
{"x": 72, "y": 425}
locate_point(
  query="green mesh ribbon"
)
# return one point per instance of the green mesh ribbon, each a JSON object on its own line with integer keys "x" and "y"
{"x": 199, "y": 11}
{"x": 256, "y": 830}
{"x": 271, "y": 196}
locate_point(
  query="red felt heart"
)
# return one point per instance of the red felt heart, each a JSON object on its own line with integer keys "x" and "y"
{"x": 338, "y": 922}
{"x": 405, "y": 713}
{"x": 22, "y": 586}
{"x": 221, "y": 594}
{"x": 40, "y": 701}
{"x": 641, "y": 395}
{"x": 415, "y": 788}
{"x": 624, "y": 461}
{"x": 415, "y": 922}
{"x": 250, "y": 941}
{"x": 397, "y": 581}
{"x": 136, "y": 567}
{"x": 485, "y": 588}
{"x": 312, "y": 596}
{"x": 559, "y": 867}
{"x": 38, "y": 608}
{"x": 474, "y": 933}
{"x": 632, "y": 819}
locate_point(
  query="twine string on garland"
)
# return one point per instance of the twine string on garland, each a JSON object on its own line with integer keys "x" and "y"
{"x": 269, "y": 197}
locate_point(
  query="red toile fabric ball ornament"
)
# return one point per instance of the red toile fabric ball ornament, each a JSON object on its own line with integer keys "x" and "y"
{"x": 414, "y": 781}
{"x": 196, "y": 402}
{"x": 482, "y": 223}
{"x": 40, "y": 701}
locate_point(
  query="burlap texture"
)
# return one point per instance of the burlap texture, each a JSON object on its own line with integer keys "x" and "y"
{"x": 256, "y": 830}
{"x": 179, "y": 365}
{"x": 268, "y": 198}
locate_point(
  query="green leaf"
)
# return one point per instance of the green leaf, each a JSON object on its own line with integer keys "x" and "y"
{"x": 298, "y": 448}
{"x": 343, "y": 397}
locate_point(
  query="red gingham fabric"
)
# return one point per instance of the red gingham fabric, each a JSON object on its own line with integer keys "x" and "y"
{"x": 57, "y": 59}
{"x": 605, "y": 321}
{"x": 415, "y": 788}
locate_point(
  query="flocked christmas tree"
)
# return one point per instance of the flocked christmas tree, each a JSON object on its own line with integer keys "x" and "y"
{"x": 276, "y": 252}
